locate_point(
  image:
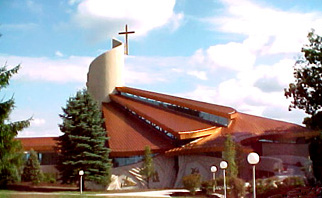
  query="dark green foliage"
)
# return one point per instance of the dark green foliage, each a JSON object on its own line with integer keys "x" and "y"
{"x": 229, "y": 155}
{"x": 191, "y": 182}
{"x": 315, "y": 150}
{"x": 264, "y": 186}
{"x": 83, "y": 143}
{"x": 235, "y": 185}
{"x": 314, "y": 122}
{"x": 147, "y": 169}
{"x": 31, "y": 171}
{"x": 207, "y": 186}
{"x": 49, "y": 178}
{"x": 306, "y": 92}
{"x": 10, "y": 149}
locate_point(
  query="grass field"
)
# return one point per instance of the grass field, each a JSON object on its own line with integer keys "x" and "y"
{"x": 17, "y": 194}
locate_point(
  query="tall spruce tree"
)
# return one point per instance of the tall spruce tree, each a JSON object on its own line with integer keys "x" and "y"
{"x": 11, "y": 154}
{"x": 83, "y": 143}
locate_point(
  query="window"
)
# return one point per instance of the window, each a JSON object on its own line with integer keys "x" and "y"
{"x": 200, "y": 114}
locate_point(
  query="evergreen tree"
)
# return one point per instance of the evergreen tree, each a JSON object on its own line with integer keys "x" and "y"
{"x": 229, "y": 156}
{"x": 83, "y": 143}
{"x": 32, "y": 171}
{"x": 147, "y": 169}
{"x": 11, "y": 156}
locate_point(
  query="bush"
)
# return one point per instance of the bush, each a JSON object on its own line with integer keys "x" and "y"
{"x": 191, "y": 182}
{"x": 237, "y": 186}
{"x": 265, "y": 185}
{"x": 207, "y": 187}
{"x": 49, "y": 178}
{"x": 294, "y": 181}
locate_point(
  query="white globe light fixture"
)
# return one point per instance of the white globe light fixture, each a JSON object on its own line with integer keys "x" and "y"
{"x": 81, "y": 173}
{"x": 223, "y": 165}
{"x": 213, "y": 169}
{"x": 253, "y": 159}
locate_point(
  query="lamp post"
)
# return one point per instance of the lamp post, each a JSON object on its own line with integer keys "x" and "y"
{"x": 213, "y": 169}
{"x": 253, "y": 159}
{"x": 223, "y": 166}
{"x": 81, "y": 173}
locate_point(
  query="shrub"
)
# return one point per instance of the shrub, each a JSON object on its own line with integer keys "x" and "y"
{"x": 207, "y": 187}
{"x": 191, "y": 182}
{"x": 294, "y": 181}
{"x": 32, "y": 171}
{"x": 237, "y": 186}
{"x": 265, "y": 185}
{"x": 49, "y": 178}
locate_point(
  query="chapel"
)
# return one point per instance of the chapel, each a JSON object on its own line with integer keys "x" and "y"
{"x": 185, "y": 136}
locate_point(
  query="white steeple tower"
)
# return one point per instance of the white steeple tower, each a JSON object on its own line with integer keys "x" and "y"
{"x": 106, "y": 72}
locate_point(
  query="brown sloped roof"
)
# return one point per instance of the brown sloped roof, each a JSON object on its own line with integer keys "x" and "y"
{"x": 180, "y": 125}
{"x": 243, "y": 128}
{"x": 39, "y": 144}
{"x": 129, "y": 135}
{"x": 223, "y": 111}
{"x": 259, "y": 125}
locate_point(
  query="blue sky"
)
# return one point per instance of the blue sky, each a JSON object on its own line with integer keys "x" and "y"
{"x": 233, "y": 53}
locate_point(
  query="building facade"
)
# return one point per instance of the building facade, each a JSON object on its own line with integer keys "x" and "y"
{"x": 185, "y": 136}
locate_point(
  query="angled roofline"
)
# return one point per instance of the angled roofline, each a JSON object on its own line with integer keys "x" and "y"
{"x": 223, "y": 111}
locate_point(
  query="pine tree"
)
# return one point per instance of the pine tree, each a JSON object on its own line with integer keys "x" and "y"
{"x": 83, "y": 143}
{"x": 32, "y": 171}
{"x": 11, "y": 154}
{"x": 147, "y": 169}
{"x": 229, "y": 156}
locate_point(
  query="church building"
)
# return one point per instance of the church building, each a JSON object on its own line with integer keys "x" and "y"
{"x": 185, "y": 136}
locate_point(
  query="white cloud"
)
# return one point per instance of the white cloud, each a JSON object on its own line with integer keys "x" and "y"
{"x": 107, "y": 18}
{"x": 234, "y": 56}
{"x": 277, "y": 31}
{"x": 198, "y": 74}
{"x": 59, "y": 54}
{"x": 71, "y": 69}
{"x": 153, "y": 70}
{"x": 37, "y": 122}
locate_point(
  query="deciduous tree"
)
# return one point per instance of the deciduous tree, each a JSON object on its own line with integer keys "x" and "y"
{"x": 306, "y": 92}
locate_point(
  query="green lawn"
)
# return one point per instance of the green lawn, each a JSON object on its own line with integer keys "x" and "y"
{"x": 16, "y": 194}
